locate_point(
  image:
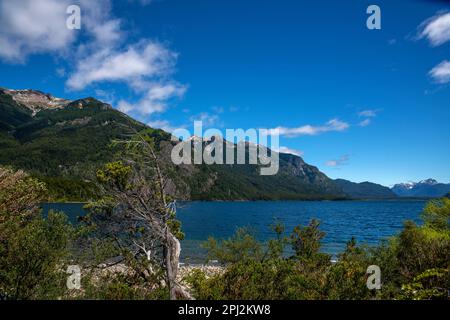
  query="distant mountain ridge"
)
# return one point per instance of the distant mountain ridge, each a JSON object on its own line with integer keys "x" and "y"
{"x": 64, "y": 142}
{"x": 425, "y": 188}
{"x": 365, "y": 190}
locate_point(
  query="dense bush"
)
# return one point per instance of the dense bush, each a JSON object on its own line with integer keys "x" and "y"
{"x": 33, "y": 250}
{"x": 414, "y": 264}
{"x": 34, "y": 254}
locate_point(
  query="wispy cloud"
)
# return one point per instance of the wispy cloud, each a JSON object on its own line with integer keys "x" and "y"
{"x": 146, "y": 67}
{"x": 290, "y": 151}
{"x": 441, "y": 73}
{"x": 436, "y": 29}
{"x": 132, "y": 65}
{"x": 365, "y": 122}
{"x": 95, "y": 55}
{"x": 155, "y": 99}
{"x": 162, "y": 124}
{"x": 208, "y": 119}
{"x": 29, "y": 26}
{"x": 106, "y": 95}
{"x": 368, "y": 115}
{"x": 309, "y": 130}
{"x": 336, "y": 163}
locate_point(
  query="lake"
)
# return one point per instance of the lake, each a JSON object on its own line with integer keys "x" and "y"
{"x": 368, "y": 221}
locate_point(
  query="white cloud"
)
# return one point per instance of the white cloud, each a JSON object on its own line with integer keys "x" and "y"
{"x": 33, "y": 26}
{"x": 39, "y": 26}
{"x": 208, "y": 120}
{"x": 107, "y": 32}
{"x": 162, "y": 124}
{"x": 145, "y": 60}
{"x": 368, "y": 113}
{"x": 98, "y": 24}
{"x": 331, "y": 163}
{"x": 61, "y": 72}
{"x": 441, "y": 73}
{"x": 365, "y": 123}
{"x": 332, "y": 125}
{"x": 335, "y": 163}
{"x": 436, "y": 29}
{"x": 107, "y": 96}
{"x": 290, "y": 151}
{"x": 167, "y": 91}
{"x": 145, "y": 67}
{"x": 155, "y": 100}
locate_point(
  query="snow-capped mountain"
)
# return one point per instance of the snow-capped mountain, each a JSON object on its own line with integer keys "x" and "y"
{"x": 424, "y": 188}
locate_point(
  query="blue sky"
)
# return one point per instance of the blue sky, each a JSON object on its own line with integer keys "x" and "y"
{"x": 360, "y": 104}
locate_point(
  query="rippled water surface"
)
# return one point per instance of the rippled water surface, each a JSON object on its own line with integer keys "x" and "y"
{"x": 368, "y": 221}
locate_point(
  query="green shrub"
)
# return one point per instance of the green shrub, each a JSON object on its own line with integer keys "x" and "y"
{"x": 33, "y": 250}
{"x": 414, "y": 264}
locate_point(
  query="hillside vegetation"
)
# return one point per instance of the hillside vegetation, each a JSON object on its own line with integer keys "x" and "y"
{"x": 64, "y": 147}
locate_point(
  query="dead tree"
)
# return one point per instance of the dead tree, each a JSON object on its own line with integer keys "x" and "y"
{"x": 137, "y": 186}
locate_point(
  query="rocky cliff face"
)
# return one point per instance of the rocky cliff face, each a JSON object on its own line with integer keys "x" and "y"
{"x": 35, "y": 100}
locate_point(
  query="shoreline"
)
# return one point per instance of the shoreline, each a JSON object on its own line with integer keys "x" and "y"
{"x": 399, "y": 199}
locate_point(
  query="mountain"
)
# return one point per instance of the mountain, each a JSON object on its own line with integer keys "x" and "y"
{"x": 425, "y": 188}
{"x": 64, "y": 142}
{"x": 364, "y": 190}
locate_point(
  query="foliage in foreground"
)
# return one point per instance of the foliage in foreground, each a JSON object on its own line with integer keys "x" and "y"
{"x": 32, "y": 249}
{"x": 35, "y": 252}
{"x": 414, "y": 264}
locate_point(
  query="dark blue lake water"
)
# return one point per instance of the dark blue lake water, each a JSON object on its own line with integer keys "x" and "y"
{"x": 368, "y": 221}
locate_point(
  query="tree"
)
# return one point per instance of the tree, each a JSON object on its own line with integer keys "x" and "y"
{"x": 33, "y": 250}
{"x": 306, "y": 239}
{"x": 436, "y": 215}
{"x": 143, "y": 210}
{"x": 242, "y": 246}
{"x": 431, "y": 284}
{"x": 20, "y": 195}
